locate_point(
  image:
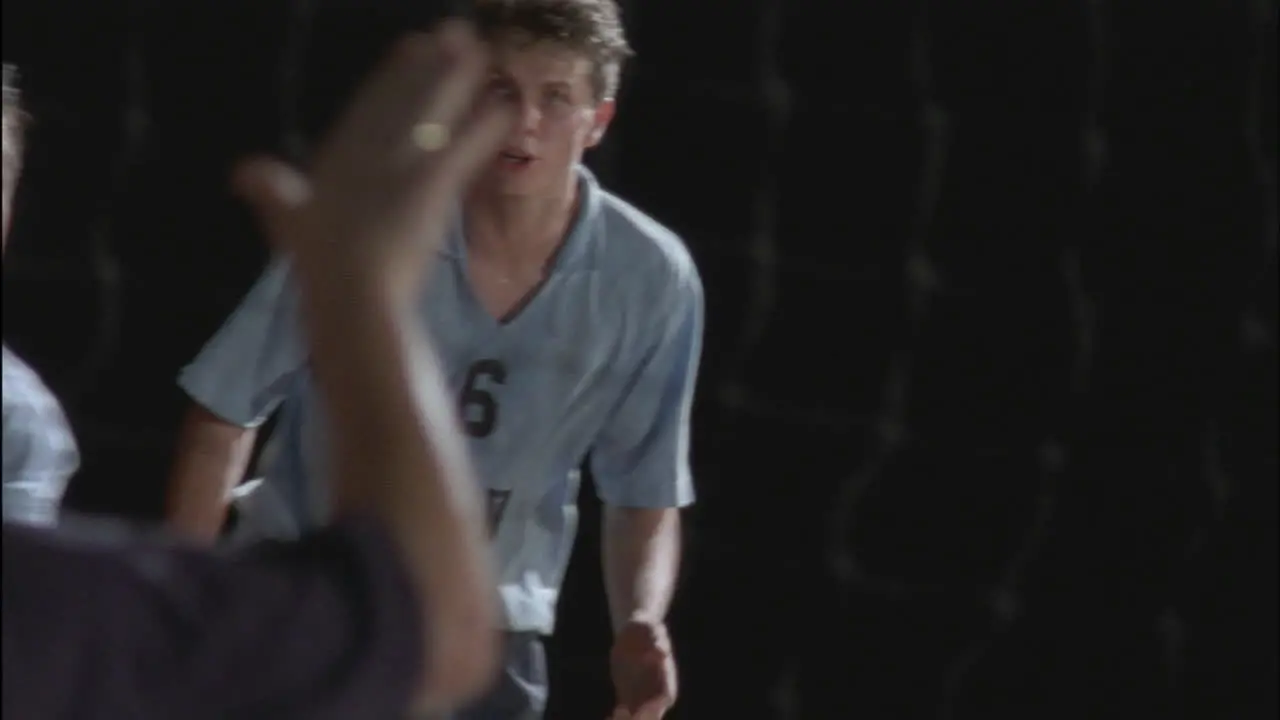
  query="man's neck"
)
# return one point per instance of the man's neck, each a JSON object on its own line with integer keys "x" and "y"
{"x": 514, "y": 231}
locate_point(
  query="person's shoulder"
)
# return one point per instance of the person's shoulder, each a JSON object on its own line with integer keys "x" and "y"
{"x": 24, "y": 390}
{"x": 646, "y": 253}
{"x": 16, "y": 370}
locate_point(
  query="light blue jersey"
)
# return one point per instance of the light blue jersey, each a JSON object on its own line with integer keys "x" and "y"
{"x": 600, "y": 363}
{"x": 40, "y": 452}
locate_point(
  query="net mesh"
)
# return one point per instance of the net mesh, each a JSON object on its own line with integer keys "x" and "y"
{"x": 987, "y": 418}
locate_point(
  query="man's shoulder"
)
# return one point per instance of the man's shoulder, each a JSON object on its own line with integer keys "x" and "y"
{"x": 24, "y": 390}
{"x": 16, "y": 369}
{"x": 643, "y": 252}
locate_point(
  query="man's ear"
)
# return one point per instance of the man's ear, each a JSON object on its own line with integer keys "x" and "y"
{"x": 600, "y": 121}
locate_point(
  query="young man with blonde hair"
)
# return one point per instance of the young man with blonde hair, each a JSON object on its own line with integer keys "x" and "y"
{"x": 570, "y": 324}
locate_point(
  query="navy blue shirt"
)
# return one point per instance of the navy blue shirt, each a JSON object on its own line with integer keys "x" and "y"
{"x": 329, "y": 627}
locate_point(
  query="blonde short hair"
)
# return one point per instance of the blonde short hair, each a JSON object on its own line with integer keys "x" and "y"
{"x": 591, "y": 27}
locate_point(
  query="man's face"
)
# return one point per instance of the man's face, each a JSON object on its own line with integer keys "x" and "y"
{"x": 559, "y": 116}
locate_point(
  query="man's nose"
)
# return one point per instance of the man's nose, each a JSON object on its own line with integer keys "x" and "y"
{"x": 530, "y": 116}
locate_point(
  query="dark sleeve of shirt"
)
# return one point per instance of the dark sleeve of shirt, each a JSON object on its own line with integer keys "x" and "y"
{"x": 329, "y": 627}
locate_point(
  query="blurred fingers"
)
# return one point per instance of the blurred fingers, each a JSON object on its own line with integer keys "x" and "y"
{"x": 463, "y": 64}
{"x": 476, "y": 141}
{"x": 406, "y": 87}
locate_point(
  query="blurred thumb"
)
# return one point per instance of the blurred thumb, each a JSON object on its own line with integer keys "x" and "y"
{"x": 273, "y": 190}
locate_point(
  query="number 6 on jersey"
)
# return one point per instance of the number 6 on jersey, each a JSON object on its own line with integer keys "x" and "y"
{"x": 478, "y": 407}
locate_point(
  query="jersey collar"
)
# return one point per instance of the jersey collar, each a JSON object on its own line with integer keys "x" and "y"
{"x": 581, "y": 232}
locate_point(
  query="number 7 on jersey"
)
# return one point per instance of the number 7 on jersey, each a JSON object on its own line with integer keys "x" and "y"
{"x": 497, "y": 505}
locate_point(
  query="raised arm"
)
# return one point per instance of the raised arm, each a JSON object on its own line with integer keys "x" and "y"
{"x": 337, "y": 624}
{"x": 362, "y": 229}
{"x": 333, "y": 626}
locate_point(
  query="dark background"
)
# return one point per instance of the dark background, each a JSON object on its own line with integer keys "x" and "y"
{"x": 987, "y": 422}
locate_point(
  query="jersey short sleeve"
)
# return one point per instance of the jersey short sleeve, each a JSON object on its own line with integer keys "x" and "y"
{"x": 243, "y": 372}
{"x": 641, "y": 458}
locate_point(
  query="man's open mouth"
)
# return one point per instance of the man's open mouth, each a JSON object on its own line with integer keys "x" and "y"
{"x": 515, "y": 157}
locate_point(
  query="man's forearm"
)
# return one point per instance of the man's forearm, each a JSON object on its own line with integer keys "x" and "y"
{"x": 211, "y": 459}
{"x": 641, "y": 562}
{"x": 399, "y": 455}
